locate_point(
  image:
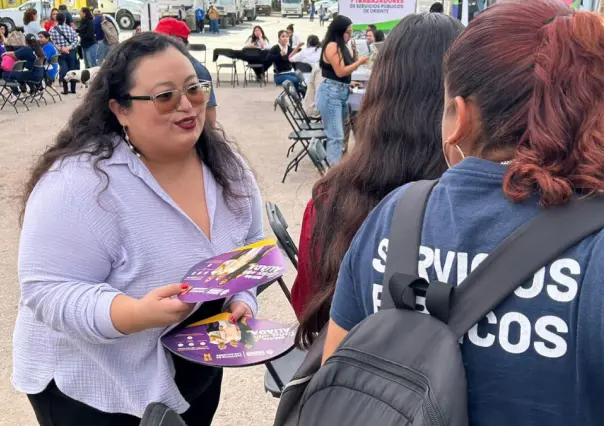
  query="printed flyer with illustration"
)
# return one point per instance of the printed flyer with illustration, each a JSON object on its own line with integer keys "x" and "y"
{"x": 217, "y": 342}
{"x": 233, "y": 272}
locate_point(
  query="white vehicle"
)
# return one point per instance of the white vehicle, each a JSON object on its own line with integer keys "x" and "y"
{"x": 249, "y": 9}
{"x": 292, "y": 7}
{"x": 127, "y": 13}
{"x": 264, "y": 7}
{"x": 332, "y": 10}
{"x": 231, "y": 12}
{"x": 13, "y": 17}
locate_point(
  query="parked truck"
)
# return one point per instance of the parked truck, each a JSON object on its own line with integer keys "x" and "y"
{"x": 292, "y": 7}
{"x": 12, "y": 17}
{"x": 249, "y": 9}
{"x": 264, "y": 7}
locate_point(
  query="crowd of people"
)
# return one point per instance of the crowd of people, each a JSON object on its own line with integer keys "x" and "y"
{"x": 506, "y": 113}
{"x": 58, "y": 35}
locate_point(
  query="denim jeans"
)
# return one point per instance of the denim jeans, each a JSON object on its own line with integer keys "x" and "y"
{"x": 215, "y": 26}
{"x": 102, "y": 50}
{"x": 90, "y": 55}
{"x": 332, "y": 97}
{"x": 280, "y": 78}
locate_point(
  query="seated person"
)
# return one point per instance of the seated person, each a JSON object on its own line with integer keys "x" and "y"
{"x": 27, "y": 53}
{"x": 257, "y": 40}
{"x": 279, "y": 57}
{"x": 308, "y": 55}
{"x": 49, "y": 50}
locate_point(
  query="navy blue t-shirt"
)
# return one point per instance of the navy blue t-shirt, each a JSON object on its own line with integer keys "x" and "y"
{"x": 28, "y": 55}
{"x": 203, "y": 74}
{"x": 535, "y": 360}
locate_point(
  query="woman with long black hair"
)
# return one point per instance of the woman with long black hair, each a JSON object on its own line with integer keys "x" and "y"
{"x": 336, "y": 65}
{"x": 136, "y": 188}
{"x": 397, "y": 141}
{"x": 88, "y": 38}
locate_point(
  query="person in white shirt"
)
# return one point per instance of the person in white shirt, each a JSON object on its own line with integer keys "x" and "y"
{"x": 258, "y": 39}
{"x": 30, "y": 22}
{"x": 311, "y": 54}
{"x": 294, "y": 40}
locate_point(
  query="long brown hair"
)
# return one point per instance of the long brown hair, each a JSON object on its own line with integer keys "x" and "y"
{"x": 398, "y": 141}
{"x": 537, "y": 77}
{"x": 29, "y": 15}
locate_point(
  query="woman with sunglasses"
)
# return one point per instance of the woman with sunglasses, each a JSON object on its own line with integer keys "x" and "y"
{"x": 135, "y": 190}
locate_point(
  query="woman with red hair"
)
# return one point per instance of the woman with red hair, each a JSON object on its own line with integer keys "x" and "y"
{"x": 523, "y": 130}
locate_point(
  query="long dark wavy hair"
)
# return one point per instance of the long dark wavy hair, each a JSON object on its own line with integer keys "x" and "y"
{"x": 253, "y": 36}
{"x": 93, "y": 128}
{"x": 398, "y": 141}
{"x": 335, "y": 33}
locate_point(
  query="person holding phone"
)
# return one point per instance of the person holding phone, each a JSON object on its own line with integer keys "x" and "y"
{"x": 337, "y": 65}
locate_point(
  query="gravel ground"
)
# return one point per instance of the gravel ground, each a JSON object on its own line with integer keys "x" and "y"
{"x": 248, "y": 117}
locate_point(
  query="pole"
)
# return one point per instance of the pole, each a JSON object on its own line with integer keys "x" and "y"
{"x": 465, "y": 11}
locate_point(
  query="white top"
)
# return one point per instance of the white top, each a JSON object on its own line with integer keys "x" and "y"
{"x": 32, "y": 28}
{"x": 295, "y": 40}
{"x": 308, "y": 55}
{"x": 85, "y": 242}
{"x": 260, "y": 43}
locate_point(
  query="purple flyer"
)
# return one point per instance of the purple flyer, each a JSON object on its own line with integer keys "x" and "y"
{"x": 233, "y": 272}
{"x": 217, "y": 342}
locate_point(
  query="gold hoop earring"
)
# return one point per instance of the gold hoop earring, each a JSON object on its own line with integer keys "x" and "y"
{"x": 463, "y": 156}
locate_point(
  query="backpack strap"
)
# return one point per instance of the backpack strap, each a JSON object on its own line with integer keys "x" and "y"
{"x": 520, "y": 255}
{"x": 405, "y": 237}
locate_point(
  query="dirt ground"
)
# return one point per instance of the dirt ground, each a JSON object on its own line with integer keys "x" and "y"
{"x": 248, "y": 117}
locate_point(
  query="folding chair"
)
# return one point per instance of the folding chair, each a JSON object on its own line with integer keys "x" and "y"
{"x": 158, "y": 414}
{"x": 297, "y": 135}
{"x": 279, "y": 226}
{"x": 280, "y": 371}
{"x": 296, "y": 100}
{"x": 232, "y": 65}
{"x": 318, "y": 155}
{"x": 301, "y": 79}
{"x": 258, "y": 57}
{"x": 35, "y": 82}
{"x": 200, "y": 48}
{"x": 48, "y": 82}
{"x": 10, "y": 82}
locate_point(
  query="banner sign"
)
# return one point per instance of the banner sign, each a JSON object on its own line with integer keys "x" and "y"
{"x": 384, "y": 14}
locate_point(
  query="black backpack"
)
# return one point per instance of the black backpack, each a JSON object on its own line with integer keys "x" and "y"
{"x": 401, "y": 367}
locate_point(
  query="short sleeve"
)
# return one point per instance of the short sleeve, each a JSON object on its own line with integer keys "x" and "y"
{"x": 23, "y": 54}
{"x": 346, "y": 308}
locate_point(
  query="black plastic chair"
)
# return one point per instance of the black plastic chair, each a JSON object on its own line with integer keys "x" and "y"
{"x": 254, "y": 59}
{"x": 35, "y": 82}
{"x": 279, "y": 226}
{"x": 303, "y": 67}
{"x": 298, "y": 134}
{"x": 49, "y": 82}
{"x": 302, "y": 117}
{"x": 301, "y": 80}
{"x": 318, "y": 155}
{"x": 158, "y": 414}
{"x": 11, "y": 82}
{"x": 200, "y": 48}
{"x": 280, "y": 371}
{"x": 232, "y": 65}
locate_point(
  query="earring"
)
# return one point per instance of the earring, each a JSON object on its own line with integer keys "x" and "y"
{"x": 127, "y": 139}
{"x": 463, "y": 156}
